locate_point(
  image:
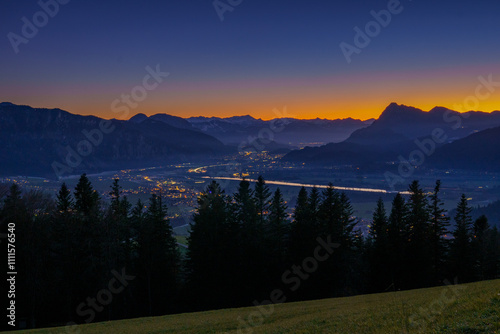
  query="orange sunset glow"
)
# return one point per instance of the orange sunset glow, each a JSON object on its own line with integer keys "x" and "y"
{"x": 358, "y": 95}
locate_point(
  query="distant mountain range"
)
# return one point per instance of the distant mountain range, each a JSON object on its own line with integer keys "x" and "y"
{"x": 50, "y": 142}
{"x": 289, "y": 132}
{"x": 54, "y": 142}
{"x": 466, "y": 141}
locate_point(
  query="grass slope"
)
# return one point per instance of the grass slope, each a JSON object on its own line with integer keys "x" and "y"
{"x": 468, "y": 308}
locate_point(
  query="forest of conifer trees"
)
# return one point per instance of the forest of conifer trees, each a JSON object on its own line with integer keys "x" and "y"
{"x": 82, "y": 259}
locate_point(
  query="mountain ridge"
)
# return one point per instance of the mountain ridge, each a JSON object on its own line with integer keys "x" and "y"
{"x": 398, "y": 129}
{"x": 53, "y": 142}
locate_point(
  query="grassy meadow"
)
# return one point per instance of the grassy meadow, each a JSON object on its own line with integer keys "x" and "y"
{"x": 468, "y": 308}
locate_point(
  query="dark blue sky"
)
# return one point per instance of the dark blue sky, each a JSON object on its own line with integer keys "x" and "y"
{"x": 264, "y": 54}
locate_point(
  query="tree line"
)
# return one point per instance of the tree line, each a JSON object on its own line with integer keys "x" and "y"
{"x": 74, "y": 249}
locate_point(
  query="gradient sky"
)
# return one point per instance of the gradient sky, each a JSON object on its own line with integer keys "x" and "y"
{"x": 264, "y": 55}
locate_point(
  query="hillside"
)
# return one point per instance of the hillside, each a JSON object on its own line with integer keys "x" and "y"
{"x": 399, "y": 122}
{"x": 394, "y": 133}
{"x": 35, "y": 139}
{"x": 479, "y": 151}
{"x": 468, "y": 308}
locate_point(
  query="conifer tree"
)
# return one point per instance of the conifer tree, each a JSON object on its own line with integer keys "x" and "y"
{"x": 461, "y": 250}
{"x": 116, "y": 242}
{"x": 64, "y": 200}
{"x": 380, "y": 248}
{"x": 380, "y": 227}
{"x": 277, "y": 230}
{"x": 329, "y": 212}
{"x": 250, "y": 241}
{"x": 13, "y": 202}
{"x": 86, "y": 198}
{"x": 88, "y": 237}
{"x": 262, "y": 195}
{"x": 120, "y": 204}
{"x": 419, "y": 254}
{"x": 212, "y": 257}
{"x": 439, "y": 223}
{"x": 349, "y": 251}
{"x": 26, "y": 215}
{"x": 492, "y": 265}
{"x": 65, "y": 248}
{"x": 398, "y": 240}
{"x": 348, "y": 237}
{"x": 480, "y": 247}
{"x": 486, "y": 249}
{"x": 137, "y": 216}
{"x": 158, "y": 258}
{"x": 301, "y": 229}
{"x": 314, "y": 204}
